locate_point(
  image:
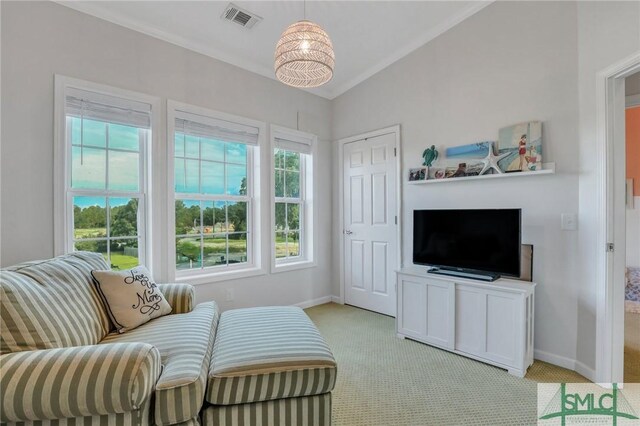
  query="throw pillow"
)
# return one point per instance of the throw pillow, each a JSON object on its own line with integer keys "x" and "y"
{"x": 131, "y": 297}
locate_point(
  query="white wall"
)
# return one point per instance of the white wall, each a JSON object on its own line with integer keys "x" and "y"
{"x": 608, "y": 32}
{"x": 511, "y": 62}
{"x": 40, "y": 39}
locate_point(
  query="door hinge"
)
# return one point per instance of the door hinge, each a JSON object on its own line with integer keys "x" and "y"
{"x": 611, "y": 248}
{"x": 395, "y": 152}
{"x": 396, "y": 219}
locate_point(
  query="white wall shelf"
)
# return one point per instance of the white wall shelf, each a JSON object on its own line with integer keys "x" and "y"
{"x": 547, "y": 169}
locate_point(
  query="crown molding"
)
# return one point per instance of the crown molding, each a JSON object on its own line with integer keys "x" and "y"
{"x": 97, "y": 10}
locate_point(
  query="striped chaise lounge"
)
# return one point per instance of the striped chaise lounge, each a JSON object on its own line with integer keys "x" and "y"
{"x": 61, "y": 363}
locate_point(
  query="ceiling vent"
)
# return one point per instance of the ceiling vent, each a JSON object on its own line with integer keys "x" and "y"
{"x": 240, "y": 16}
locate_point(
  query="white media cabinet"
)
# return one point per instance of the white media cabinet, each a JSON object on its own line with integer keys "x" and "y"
{"x": 490, "y": 322}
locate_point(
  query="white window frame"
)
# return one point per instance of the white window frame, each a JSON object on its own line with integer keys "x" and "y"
{"x": 308, "y": 169}
{"x": 253, "y": 266}
{"x": 63, "y": 193}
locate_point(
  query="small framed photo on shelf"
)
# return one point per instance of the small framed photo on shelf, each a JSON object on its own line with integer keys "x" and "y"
{"x": 436, "y": 173}
{"x": 416, "y": 174}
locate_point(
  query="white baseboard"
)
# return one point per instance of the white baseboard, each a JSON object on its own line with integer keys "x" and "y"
{"x": 560, "y": 361}
{"x": 564, "y": 362}
{"x": 586, "y": 371}
{"x": 337, "y": 299}
{"x": 314, "y": 302}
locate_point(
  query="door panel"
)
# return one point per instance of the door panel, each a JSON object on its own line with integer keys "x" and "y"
{"x": 380, "y": 262}
{"x": 370, "y": 238}
{"x": 379, "y": 198}
{"x": 357, "y": 198}
{"x": 357, "y": 262}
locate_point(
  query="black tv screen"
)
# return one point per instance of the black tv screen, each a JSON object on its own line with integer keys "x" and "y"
{"x": 478, "y": 240}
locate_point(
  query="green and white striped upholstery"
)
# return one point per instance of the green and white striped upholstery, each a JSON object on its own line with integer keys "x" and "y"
{"x": 138, "y": 417}
{"x": 268, "y": 353}
{"x": 179, "y": 296}
{"x": 51, "y": 304}
{"x": 302, "y": 411}
{"x": 77, "y": 381}
{"x": 185, "y": 343}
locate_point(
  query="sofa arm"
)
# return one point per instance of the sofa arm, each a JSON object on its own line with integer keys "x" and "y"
{"x": 179, "y": 296}
{"x": 77, "y": 381}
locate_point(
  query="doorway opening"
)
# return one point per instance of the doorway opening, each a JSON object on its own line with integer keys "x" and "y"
{"x": 631, "y": 369}
{"x": 611, "y": 193}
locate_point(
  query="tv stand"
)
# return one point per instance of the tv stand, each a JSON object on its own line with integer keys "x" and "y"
{"x": 481, "y": 276}
{"x": 491, "y": 322}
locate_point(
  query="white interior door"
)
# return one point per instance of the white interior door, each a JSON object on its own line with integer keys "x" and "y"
{"x": 370, "y": 234}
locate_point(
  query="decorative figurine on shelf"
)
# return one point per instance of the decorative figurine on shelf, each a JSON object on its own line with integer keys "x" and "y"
{"x": 429, "y": 155}
{"x": 491, "y": 160}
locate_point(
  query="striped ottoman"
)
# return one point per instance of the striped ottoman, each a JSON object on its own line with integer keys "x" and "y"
{"x": 270, "y": 366}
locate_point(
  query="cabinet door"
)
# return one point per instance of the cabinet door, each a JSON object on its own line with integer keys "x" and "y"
{"x": 440, "y": 313}
{"x": 503, "y": 324}
{"x": 470, "y": 320}
{"x": 412, "y": 295}
{"x": 488, "y": 324}
{"x": 425, "y": 310}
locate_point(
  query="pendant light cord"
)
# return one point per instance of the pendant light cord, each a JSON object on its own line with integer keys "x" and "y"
{"x": 304, "y": 9}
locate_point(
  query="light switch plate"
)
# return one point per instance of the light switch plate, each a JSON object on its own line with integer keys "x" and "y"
{"x": 569, "y": 221}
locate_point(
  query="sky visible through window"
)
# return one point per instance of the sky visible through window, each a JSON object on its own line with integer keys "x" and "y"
{"x": 201, "y": 165}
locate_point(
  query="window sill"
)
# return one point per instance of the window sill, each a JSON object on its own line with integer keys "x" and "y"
{"x": 292, "y": 266}
{"x": 209, "y": 277}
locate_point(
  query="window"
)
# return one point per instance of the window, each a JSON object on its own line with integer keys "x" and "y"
{"x": 292, "y": 198}
{"x": 105, "y": 144}
{"x": 214, "y": 180}
{"x": 288, "y": 203}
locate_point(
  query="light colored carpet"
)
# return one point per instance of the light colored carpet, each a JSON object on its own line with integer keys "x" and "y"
{"x": 632, "y": 347}
{"x": 383, "y": 380}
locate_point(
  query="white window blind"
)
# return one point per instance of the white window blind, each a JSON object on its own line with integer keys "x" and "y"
{"x": 94, "y": 106}
{"x": 213, "y": 128}
{"x": 292, "y": 143}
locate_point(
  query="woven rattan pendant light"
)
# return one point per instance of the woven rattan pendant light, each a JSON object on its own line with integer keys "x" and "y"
{"x": 304, "y": 55}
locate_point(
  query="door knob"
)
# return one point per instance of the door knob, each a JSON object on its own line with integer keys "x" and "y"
{"x": 348, "y": 232}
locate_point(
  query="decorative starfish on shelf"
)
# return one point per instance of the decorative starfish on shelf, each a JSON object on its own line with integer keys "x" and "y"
{"x": 491, "y": 160}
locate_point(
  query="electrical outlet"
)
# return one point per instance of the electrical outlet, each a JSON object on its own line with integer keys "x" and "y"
{"x": 569, "y": 221}
{"x": 229, "y": 293}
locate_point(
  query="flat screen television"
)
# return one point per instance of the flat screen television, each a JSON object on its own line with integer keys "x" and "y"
{"x": 476, "y": 242}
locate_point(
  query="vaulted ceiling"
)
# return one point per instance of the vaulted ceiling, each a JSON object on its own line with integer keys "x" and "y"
{"x": 367, "y": 35}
